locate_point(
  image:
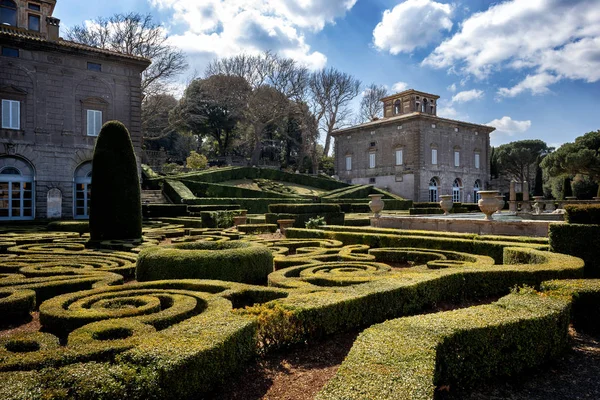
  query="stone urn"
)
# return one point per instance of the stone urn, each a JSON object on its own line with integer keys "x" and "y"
{"x": 284, "y": 224}
{"x": 500, "y": 200}
{"x": 488, "y": 203}
{"x": 376, "y": 204}
{"x": 239, "y": 220}
{"x": 446, "y": 203}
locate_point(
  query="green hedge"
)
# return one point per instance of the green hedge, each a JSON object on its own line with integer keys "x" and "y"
{"x": 177, "y": 192}
{"x": 69, "y": 226}
{"x": 15, "y": 304}
{"x": 203, "y": 189}
{"x": 213, "y": 207}
{"x": 578, "y": 240}
{"x": 116, "y": 212}
{"x": 409, "y": 357}
{"x": 235, "y": 173}
{"x": 390, "y": 204}
{"x": 218, "y": 219}
{"x": 257, "y": 228}
{"x": 302, "y": 219}
{"x": 304, "y": 208}
{"x": 164, "y": 210}
{"x": 230, "y": 261}
{"x": 254, "y": 206}
{"x": 582, "y": 214}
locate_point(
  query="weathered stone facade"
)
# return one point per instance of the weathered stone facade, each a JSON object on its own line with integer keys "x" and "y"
{"x": 415, "y": 135}
{"x": 54, "y": 86}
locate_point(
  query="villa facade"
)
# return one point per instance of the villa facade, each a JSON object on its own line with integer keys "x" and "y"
{"x": 414, "y": 153}
{"x": 55, "y": 96}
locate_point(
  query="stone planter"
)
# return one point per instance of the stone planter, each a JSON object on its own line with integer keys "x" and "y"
{"x": 446, "y": 203}
{"x": 500, "y": 200}
{"x": 488, "y": 204}
{"x": 284, "y": 224}
{"x": 376, "y": 204}
{"x": 239, "y": 220}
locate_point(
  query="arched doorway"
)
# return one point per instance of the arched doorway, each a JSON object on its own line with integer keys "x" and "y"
{"x": 457, "y": 191}
{"x": 434, "y": 183}
{"x": 16, "y": 189}
{"x": 476, "y": 189}
{"x": 82, "y": 191}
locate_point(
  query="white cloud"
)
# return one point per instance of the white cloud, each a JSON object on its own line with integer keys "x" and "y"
{"x": 537, "y": 84}
{"x": 467, "y": 95}
{"x": 221, "y": 28}
{"x": 399, "y": 87}
{"x": 508, "y": 126}
{"x": 452, "y": 88}
{"x": 412, "y": 24}
{"x": 447, "y": 112}
{"x": 554, "y": 39}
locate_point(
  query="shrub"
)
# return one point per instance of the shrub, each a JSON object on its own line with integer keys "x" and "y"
{"x": 218, "y": 219}
{"x": 314, "y": 223}
{"x": 578, "y": 240}
{"x": 257, "y": 228}
{"x": 116, "y": 211}
{"x": 196, "y": 161}
{"x": 230, "y": 261}
{"x": 69, "y": 226}
{"x": 582, "y": 213}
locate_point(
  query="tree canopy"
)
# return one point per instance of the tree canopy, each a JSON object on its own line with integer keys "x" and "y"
{"x": 518, "y": 160}
{"x": 580, "y": 157}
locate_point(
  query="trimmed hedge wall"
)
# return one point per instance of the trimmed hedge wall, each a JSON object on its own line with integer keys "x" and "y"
{"x": 254, "y": 206}
{"x": 578, "y": 240}
{"x": 390, "y": 204}
{"x": 69, "y": 226}
{"x": 257, "y": 228}
{"x": 213, "y": 207}
{"x": 164, "y": 210}
{"x": 409, "y": 357}
{"x": 303, "y": 208}
{"x": 582, "y": 214}
{"x": 203, "y": 189}
{"x": 230, "y": 261}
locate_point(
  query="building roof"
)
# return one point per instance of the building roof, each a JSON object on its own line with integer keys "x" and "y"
{"x": 403, "y": 117}
{"x": 24, "y": 34}
{"x": 409, "y": 91}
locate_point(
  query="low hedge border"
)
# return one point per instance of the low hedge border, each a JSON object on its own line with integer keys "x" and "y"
{"x": 304, "y": 208}
{"x": 69, "y": 226}
{"x": 257, "y": 228}
{"x": 578, "y": 240}
{"x": 16, "y": 303}
{"x": 232, "y": 261}
{"x": 409, "y": 357}
{"x": 582, "y": 214}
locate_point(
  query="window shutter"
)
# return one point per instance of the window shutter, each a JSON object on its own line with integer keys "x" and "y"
{"x": 16, "y": 114}
{"x": 399, "y": 157}
{"x": 90, "y": 122}
{"x": 5, "y": 114}
{"x": 98, "y": 122}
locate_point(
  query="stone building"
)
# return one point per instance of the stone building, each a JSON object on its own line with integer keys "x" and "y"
{"x": 414, "y": 153}
{"x": 55, "y": 96}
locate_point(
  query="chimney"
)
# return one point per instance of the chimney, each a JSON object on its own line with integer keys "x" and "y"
{"x": 53, "y": 25}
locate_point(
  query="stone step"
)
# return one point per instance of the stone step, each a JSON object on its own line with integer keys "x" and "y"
{"x": 153, "y": 197}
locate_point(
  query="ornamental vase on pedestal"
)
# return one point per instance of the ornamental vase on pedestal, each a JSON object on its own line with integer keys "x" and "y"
{"x": 488, "y": 204}
{"x": 446, "y": 203}
{"x": 376, "y": 204}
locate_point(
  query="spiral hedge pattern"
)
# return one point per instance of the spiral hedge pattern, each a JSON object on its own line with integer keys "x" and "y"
{"x": 173, "y": 333}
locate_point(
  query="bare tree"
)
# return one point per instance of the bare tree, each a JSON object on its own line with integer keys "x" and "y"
{"x": 331, "y": 94}
{"x": 155, "y": 115}
{"x": 135, "y": 34}
{"x": 371, "y": 106}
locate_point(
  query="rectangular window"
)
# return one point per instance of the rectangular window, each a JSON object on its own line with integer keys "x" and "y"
{"x": 477, "y": 160}
{"x": 94, "y": 66}
{"x": 34, "y": 22}
{"x": 372, "y": 180}
{"x": 34, "y": 7}
{"x": 371, "y": 160}
{"x": 399, "y": 159}
{"x": 10, "y": 52}
{"x": 94, "y": 122}
{"x": 457, "y": 158}
{"x": 434, "y": 156}
{"x": 11, "y": 114}
{"x": 348, "y": 163}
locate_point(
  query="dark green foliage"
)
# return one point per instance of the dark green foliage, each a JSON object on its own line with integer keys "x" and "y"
{"x": 213, "y": 207}
{"x": 257, "y": 228}
{"x": 116, "y": 211}
{"x": 230, "y": 261}
{"x": 580, "y": 157}
{"x": 567, "y": 190}
{"x": 302, "y": 219}
{"x": 69, "y": 226}
{"x": 578, "y": 240}
{"x": 203, "y": 189}
{"x": 582, "y": 213}
{"x": 164, "y": 210}
{"x": 303, "y": 208}
{"x": 538, "y": 189}
{"x": 390, "y": 204}
{"x": 15, "y": 304}
{"x": 218, "y": 219}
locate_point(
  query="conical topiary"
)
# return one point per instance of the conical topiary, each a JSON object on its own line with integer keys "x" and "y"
{"x": 116, "y": 209}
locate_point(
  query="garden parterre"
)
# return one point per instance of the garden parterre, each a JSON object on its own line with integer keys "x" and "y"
{"x": 179, "y": 333}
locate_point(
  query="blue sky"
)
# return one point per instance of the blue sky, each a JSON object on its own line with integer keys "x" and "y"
{"x": 529, "y": 67}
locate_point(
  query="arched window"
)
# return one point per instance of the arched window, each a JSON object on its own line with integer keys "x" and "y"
{"x": 424, "y": 105}
{"x": 457, "y": 191}
{"x": 16, "y": 189}
{"x": 8, "y": 12}
{"x": 82, "y": 191}
{"x": 476, "y": 189}
{"x": 397, "y": 107}
{"x": 433, "y": 189}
